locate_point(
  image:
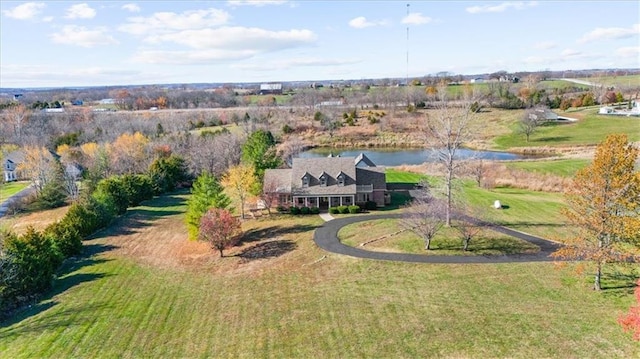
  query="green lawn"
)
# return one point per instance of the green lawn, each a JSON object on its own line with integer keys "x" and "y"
{"x": 389, "y": 235}
{"x": 591, "y": 130}
{"x": 148, "y": 292}
{"x": 614, "y": 80}
{"x": 564, "y": 167}
{"x": 10, "y": 188}
{"x": 396, "y": 176}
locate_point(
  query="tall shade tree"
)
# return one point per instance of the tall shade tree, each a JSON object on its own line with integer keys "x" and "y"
{"x": 603, "y": 201}
{"x": 129, "y": 153}
{"x": 240, "y": 182}
{"x": 448, "y": 127}
{"x": 220, "y": 229}
{"x": 259, "y": 151}
{"x": 206, "y": 193}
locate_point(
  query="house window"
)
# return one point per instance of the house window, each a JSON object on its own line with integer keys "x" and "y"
{"x": 305, "y": 181}
{"x": 323, "y": 181}
{"x": 341, "y": 180}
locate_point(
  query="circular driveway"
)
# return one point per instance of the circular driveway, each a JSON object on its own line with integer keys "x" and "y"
{"x": 326, "y": 237}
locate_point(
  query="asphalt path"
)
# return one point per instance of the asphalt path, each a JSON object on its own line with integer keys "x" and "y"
{"x": 4, "y": 206}
{"x": 326, "y": 237}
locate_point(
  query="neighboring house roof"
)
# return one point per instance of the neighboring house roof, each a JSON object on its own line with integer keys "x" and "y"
{"x": 15, "y": 156}
{"x": 278, "y": 180}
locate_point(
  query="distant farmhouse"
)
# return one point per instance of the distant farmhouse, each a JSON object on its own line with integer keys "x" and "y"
{"x": 10, "y": 166}
{"x": 328, "y": 182}
{"x": 271, "y": 89}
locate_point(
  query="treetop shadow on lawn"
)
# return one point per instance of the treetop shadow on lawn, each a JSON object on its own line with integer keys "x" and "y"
{"x": 64, "y": 282}
{"x": 552, "y": 139}
{"x": 61, "y": 319}
{"x": 270, "y": 249}
{"x": 131, "y": 221}
{"x": 274, "y": 232}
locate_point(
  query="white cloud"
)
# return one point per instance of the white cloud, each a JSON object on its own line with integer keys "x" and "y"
{"x": 361, "y": 22}
{"x": 163, "y": 22}
{"x": 416, "y": 18}
{"x": 570, "y": 53}
{"x": 25, "y": 11}
{"x": 190, "y": 57}
{"x": 629, "y": 51}
{"x": 255, "y": 2}
{"x": 227, "y": 43}
{"x": 610, "y": 33}
{"x": 517, "y": 5}
{"x": 131, "y": 7}
{"x": 535, "y": 60}
{"x": 81, "y": 36}
{"x": 545, "y": 45}
{"x": 293, "y": 63}
{"x": 80, "y": 11}
{"x": 238, "y": 38}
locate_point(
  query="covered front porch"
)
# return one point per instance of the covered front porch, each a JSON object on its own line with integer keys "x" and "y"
{"x": 323, "y": 202}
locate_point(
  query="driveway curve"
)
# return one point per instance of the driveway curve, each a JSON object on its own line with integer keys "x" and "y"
{"x": 326, "y": 237}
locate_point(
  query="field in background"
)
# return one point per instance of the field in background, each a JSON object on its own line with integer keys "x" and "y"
{"x": 591, "y": 129}
{"x": 144, "y": 290}
{"x": 562, "y": 167}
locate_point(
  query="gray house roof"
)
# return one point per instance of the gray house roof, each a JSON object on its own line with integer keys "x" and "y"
{"x": 291, "y": 180}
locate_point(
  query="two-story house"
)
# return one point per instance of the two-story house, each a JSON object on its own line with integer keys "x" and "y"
{"x": 328, "y": 182}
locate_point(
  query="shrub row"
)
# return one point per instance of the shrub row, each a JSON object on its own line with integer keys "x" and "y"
{"x": 28, "y": 262}
{"x": 344, "y": 209}
{"x": 299, "y": 210}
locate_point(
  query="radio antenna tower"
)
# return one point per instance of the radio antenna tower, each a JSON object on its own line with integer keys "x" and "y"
{"x": 407, "y": 77}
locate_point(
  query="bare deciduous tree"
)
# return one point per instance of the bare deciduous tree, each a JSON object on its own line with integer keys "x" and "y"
{"x": 448, "y": 128}
{"x": 425, "y": 216}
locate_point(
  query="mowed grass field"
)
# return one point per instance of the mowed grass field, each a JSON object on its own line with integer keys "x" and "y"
{"x": 560, "y": 167}
{"x": 144, "y": 290}
{"x": 590, "y": 129}
{"x": 10, "y": 188}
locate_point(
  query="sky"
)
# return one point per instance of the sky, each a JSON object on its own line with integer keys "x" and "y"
{"x": 110, "y": 43}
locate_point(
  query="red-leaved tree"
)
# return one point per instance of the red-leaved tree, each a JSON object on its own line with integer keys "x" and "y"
{"x": 631, "y": 320}
{"x": 220, "y": 228}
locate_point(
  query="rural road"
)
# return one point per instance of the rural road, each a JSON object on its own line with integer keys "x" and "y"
{"x": 326, "y": 237}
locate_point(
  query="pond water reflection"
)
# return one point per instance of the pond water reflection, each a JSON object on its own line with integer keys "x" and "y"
{"x": 397, "y": 157}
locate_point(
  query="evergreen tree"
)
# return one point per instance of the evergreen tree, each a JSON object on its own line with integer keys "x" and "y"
{"x": 206, "y": 193}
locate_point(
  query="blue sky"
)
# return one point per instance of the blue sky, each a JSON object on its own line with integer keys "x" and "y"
{"x": 95, "y": 43}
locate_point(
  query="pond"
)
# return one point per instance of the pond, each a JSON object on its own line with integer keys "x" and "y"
{"x": 397, "y": 157}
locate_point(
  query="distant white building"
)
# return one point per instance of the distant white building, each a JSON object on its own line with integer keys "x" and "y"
{"x": 271, "y": 89}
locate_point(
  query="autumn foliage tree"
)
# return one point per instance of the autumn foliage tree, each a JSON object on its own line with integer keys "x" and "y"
{"x": 604, "y": 203}
{"x": 631, "y": 320}
{"x": 240, "y": 182}
{"x": 220, "y": 229}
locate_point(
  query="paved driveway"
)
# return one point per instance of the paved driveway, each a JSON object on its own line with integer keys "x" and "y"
{"x": 326, "y": 237}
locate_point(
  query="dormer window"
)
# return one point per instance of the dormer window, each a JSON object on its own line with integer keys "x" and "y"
{"x": 340, "y": 177}
{"x": 323, "y": 179}
{"x": 305, "y": 180}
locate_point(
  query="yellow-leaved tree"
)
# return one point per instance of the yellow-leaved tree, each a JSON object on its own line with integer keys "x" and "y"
{"x": 240, "y": 182}
{"x": 603, "y": 202}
